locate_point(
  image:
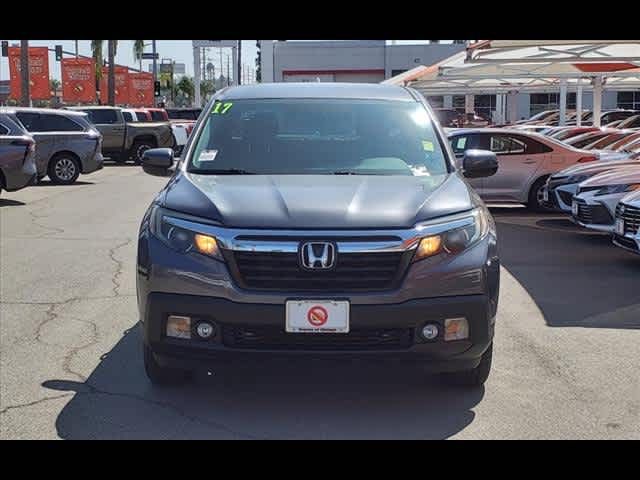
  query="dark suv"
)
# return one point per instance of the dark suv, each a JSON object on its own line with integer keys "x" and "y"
{"x": 318, "y": 219}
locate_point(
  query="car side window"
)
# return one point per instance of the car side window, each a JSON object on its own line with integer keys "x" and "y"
{"x": 534, "y": 147}
{"x": 30, "y": 120}
{"x": 127, "y": 117}
{"x": 58, "y": 123}
{"x": 504, "y": 145}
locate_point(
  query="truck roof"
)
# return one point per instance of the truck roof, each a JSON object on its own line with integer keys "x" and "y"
{"x": 56, "y": 111}
{"x": 367, "y": 91}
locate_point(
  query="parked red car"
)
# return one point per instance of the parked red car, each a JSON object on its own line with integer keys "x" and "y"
{"x": 142, "y": 113}
{"x": 158, "y": 114}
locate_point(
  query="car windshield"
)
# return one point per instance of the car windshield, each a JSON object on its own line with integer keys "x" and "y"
{"x": 318, "y": 136}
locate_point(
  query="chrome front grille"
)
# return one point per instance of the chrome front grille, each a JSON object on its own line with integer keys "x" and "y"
{"x": 631, "y": 217}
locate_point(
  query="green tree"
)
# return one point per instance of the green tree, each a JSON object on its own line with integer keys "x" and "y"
{"x": 138, "y": 48}
{"x": 186, "y": 86}
{"x": 207, "y": 88}
{"x": 54, "y": 84}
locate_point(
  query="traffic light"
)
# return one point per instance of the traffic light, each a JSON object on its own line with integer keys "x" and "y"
{"x": 5, "y": 48}
{"x": 58, "y": 53}
{"x": 156, "y": 88}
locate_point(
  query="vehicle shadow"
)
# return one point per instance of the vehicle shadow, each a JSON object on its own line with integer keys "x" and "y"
{"x": 577, "y": 277}
{"x": 7, "y": 202}
{"x": 273, "y": 400}
{"x": 49, "y": 183}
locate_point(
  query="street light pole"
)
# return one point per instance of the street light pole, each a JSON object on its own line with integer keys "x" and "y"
{"x": 239, "y": 80}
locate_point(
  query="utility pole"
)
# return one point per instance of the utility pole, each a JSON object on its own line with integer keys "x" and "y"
{"x": 228, "y": 73}
{"x": 76, "y": 48}
{"x": 25, "y": 97}
{"x": 155, "y": 69}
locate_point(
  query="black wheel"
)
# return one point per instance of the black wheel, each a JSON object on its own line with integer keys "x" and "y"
{"x": 64, "y": 169}
{"x": 162, "y": 375}
{"x": 475, "y": 377}
{"x": 138, "y": 148}
{"x": 536, "y": 199}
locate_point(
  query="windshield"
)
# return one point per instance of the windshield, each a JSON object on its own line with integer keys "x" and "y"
{"x": 318, "y": 136}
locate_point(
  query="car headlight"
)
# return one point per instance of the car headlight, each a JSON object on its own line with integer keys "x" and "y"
{"x": 620, "y": 188}
{"x": 166, "y": 227}
{"x": 577, "y": 178}
{"x": 454, "y": 236}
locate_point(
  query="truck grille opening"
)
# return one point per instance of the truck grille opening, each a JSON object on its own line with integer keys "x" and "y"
{"x": 275, "y": 338}
{"x": 353, "y": 271}
{"x": 593, "y": 214}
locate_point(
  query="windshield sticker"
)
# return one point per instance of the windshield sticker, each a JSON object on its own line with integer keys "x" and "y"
{"x": 208, "y": 155}
{"x": 220, "y": 108}
{"x": 427, "y": 146}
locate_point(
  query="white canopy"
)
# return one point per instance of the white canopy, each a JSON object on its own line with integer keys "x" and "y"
{"x": 511, "y": 66}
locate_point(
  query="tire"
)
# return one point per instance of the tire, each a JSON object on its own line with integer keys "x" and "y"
{"x": 535, "y": 196}
{"x": 475, "y": 377}
{"x": 64, "y": 169}
{"x": 159, "y": 375}
{"x": 138, "y": 148}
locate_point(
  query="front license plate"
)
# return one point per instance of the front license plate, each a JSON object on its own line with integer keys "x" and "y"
{"x": 317, "y": 316}
{"x": 574, "y": 208}
{"x": 619, "y": 226}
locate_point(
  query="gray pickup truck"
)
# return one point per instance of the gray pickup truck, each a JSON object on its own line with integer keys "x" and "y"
{"x": 122, "y": 141}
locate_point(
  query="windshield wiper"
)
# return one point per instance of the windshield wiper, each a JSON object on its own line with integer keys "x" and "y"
{"x": 225, "y": 171}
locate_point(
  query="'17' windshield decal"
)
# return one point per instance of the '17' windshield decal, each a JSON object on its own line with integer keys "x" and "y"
{"x": 220, "y": 108}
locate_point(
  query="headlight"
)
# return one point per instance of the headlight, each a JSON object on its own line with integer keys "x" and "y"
{"x": 577, "y": 178}
{"x": 621, "y": 188}
{"x": 462, "y": 233}
{"x": 165, "y": 226}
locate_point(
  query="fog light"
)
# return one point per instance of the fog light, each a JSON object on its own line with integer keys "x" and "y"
{"x": 178, "y": 327}
{"x": 456, "y": 329}
{"x": 430, "y": 331}
{"x": 205, "y": 330}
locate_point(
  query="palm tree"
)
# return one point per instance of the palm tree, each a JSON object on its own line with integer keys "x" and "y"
{"x": 138, "y": 48}
{"x": 25, "y": 96}
{"x": 96, "y": 51}
{"x": 185, "y": 85}
{"x": 111, "y": 81}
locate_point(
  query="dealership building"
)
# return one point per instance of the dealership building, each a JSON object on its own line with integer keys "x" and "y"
{"x": 374, "y": 61}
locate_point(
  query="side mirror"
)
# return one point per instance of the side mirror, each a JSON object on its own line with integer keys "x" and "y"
{"x": 158, "y": 162}
{"x": 479, "y": 163}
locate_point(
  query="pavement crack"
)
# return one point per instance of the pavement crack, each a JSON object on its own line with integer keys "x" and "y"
{"x": 220, "y": 426}
{"x": 115, "y": 279}
{"x": 35, "y": 220}
{"x": 35, "y": 402}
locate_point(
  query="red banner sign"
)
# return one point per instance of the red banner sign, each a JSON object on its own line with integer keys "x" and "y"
{"x": 122, "y": 85}
{"x": 141, "y": 89}
{"x": 39, "y": 87}
{"x": 78, "y": 80}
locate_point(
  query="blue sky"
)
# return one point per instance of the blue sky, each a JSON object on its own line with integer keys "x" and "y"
{"x": 178, "y": 50}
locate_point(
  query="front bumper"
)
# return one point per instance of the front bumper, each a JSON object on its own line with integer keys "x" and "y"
{"x": 560, "y": 195}
{"x": 596, "y": 213}
{"x": 435, "y": 355}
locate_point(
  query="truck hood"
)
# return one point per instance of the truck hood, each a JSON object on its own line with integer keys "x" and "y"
{"x": 318, "y": 201}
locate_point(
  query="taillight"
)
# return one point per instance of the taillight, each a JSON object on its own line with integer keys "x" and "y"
{"x": 590, "y": 158}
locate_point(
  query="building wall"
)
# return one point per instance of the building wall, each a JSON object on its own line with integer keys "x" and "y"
{"x": 349, "y": 61}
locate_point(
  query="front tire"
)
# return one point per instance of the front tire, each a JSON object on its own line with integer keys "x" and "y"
{"x": 64, "y": 169}
{"x": 473, "y": 378}
{"x": 159, "y": 375}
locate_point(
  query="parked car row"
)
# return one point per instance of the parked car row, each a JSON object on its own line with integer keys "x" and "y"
{"x": 592, "y": 174}
{"x": 65, "y": 143}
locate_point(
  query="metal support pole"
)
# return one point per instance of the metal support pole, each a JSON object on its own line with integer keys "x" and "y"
{"x": 597, "y": 100}
{"x": 76, "y": 48}
{"x": 196, "y": 77}
{"x": 579, "y": 103}
{"x": 239, "y": 82}
{"x": 155, "y": 69}
{"x": 562, "y": 121}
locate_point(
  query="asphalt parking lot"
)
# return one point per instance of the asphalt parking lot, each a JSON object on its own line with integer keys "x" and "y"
{"x": 566, "y": 359}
